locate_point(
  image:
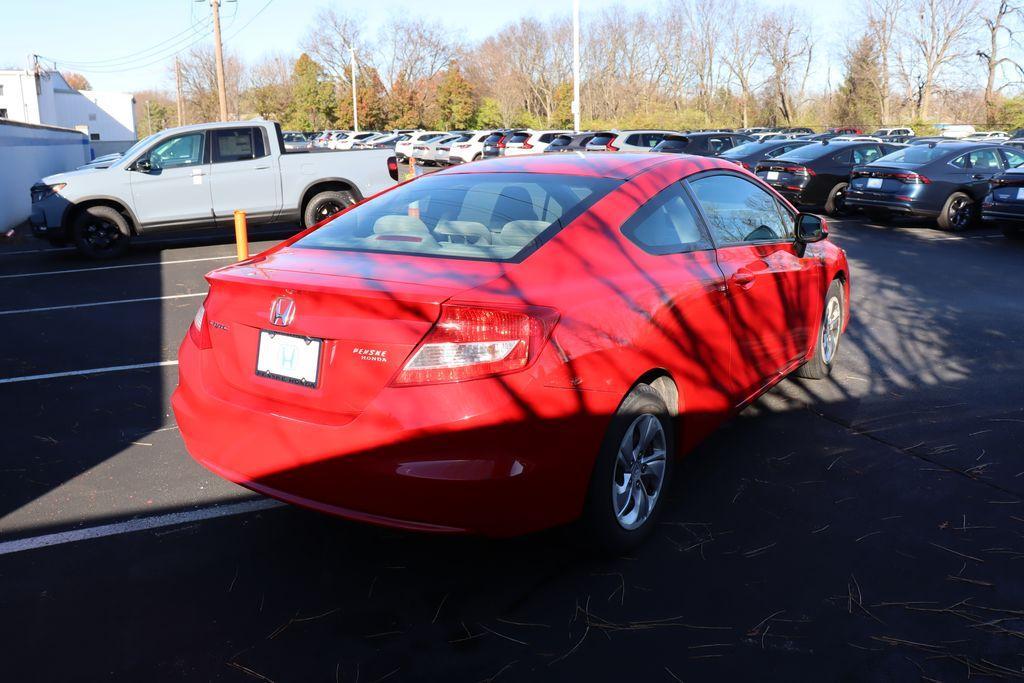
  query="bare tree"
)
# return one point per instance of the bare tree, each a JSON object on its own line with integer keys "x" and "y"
{"x": 787, "y": 46}
{"x": 992, "y": 56}
{"x": 938, "y": 33}
{"x": 198, "y": 84}
{"x": 882, "y": 17}
{"x": 268, "y": 88}
{"x": 741, "y": 22}
{"x": 332, "y": 34}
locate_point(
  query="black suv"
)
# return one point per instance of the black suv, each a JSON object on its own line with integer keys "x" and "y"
{"x": 817, "y": 174}
{"x": 569, "y": 142}
{"x": 941, "y": 180}
{"x": 701, "y": 144}
{"x": 1003, "y": 206}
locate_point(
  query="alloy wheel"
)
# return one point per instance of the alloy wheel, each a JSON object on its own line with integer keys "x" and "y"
{"x": 960, "y": 213}
{"x": 830, "y": 329}
{"x": 327, "y": 209}
{"x": 639, "y": 472}
{"x": 102, "y": 235}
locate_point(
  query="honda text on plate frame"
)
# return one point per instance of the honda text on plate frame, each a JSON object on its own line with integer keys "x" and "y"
{"x": 509, "y": 345}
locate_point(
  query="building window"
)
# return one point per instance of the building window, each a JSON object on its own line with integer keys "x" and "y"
{"x": 92, "y": 117}
{"x": 3, "y": 113}
{"x": 94, "y": 136}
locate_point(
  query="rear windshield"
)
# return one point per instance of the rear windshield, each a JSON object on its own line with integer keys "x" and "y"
{"x": 671, "y": 145}
{"x": 519, "y": 137}
{"x": 746, "y": 149}
{"x": 561, "y": 141}
{"x": 493, "y": 138}
{"x": 602, "y": 139}
{"x": 482, "y": 216}
{"x": 918, "y": 154}
{"x": 810, "y": 152}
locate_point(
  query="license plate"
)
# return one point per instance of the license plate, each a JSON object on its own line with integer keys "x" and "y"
{"x": 772, "y": 175}
{"x": 1020, "y": 193}
{"x": 289, "y": 358}
{"x": 874, "y": 183}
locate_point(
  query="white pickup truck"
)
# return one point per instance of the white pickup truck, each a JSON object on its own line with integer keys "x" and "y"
{"x": 198, "y": 176}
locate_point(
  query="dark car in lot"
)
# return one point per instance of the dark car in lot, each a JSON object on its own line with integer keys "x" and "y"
{"x": 569, "y": 143}
{"x": 701, "y": 144}
{"x": 494, "y": 145}
{"x": 1003, "y": 206}
{"x": 749, "y": 153}
{"x": 941, "y": 180}
{"x": 817, "y": 174}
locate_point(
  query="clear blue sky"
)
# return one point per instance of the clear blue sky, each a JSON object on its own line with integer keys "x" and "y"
{"x": 103, "y": 32}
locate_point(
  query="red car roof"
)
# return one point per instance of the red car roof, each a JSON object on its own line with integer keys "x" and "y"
{"x": 619, "y": 165}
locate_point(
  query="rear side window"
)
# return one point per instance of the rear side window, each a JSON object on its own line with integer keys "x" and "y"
{"x": 237, "y": 144}
{"x": 738, "y": 211}
{"x": 984, "y": 159}
{"x": 483, "y": 216}
{"x": 1013, "y": 157}
{"x": 667, "y": 224}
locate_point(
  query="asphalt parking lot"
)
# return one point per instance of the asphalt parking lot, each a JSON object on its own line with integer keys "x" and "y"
{"x": 865, "y": 528}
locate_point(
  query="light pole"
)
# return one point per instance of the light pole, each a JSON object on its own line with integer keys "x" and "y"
{"x": 576, "y": 65}
{"x": 355, "y": 109}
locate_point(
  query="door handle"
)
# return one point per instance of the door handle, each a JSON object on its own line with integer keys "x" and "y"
{"x": 743, "y": 279}
{"x": 262, "y": 168}
{"x": 979, "y": 176}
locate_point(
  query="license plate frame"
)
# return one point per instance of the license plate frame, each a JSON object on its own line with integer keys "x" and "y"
{"x": 772, "y": 175}
{"x": 266, "y": 367}
{"x": 874, "y": 183}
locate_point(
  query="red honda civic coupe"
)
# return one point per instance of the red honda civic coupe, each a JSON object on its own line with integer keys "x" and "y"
{"x": 509, "y": 345}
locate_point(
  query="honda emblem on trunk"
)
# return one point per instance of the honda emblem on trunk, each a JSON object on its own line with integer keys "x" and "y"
{"x": 282, "y": 311}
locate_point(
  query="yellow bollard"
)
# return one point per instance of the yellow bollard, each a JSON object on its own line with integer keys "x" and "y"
{"x": 241, "y": 236}
{"x": 412, "y": 169}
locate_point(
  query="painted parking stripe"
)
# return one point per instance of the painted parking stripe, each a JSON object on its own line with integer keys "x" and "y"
{"x": 36, "y": 251}
{"x": 141, "y": 524}
{"x": 126, "y": 265}
{"x": 93, "y": 304}
{"x": 91, "y": 371}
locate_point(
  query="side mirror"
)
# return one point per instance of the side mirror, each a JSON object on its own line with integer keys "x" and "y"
{"x": 143, "y": 165}
{"x": 810, "y": 228}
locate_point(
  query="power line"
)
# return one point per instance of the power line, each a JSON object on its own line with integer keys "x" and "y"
{"x": 251, "y": 19}
{"x": 142, "y": 54}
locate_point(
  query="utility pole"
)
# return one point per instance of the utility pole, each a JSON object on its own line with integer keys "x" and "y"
{"x": 576, "y": 65}
{"x": 149, "y": 117}
{"x": 355, "y": 109}
{"x": 218, "y": 51}
{"x": 177, "y": 86}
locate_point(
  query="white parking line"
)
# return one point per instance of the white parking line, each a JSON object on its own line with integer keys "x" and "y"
{"x": 92, "y": 371}
{"x": 100, "y": 303}
{"x": 127, "y": 265}
{"x": 36, "y": 251}
{"x": 142, "y": 524}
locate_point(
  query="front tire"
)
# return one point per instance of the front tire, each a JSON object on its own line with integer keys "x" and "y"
{"x": 631, "y": 474}
{"x": 958, "y": 213}
{"x": 836, "y": 202}
{"x": 826, "y": 343}
{"x": 324, "y": 205}
{"x": 101, "y": 232}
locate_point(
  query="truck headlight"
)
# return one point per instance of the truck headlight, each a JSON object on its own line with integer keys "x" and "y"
{"x": 41, "y": 191}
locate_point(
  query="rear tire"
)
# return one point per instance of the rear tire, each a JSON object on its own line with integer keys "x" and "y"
{"x": 836, "y": 202}
{"x": 325, "y": 204}
{"x": 826, "y": 343}
{"x": 958, "y": 213}
{"x": 632, "y": 473}
{"x": 101, "y": 232}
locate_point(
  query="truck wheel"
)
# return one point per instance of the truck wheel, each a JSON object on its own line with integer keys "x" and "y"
{"x": 101, "y": 232}
{"x": 325, "y": 204}
{"x": 958, "y": 213}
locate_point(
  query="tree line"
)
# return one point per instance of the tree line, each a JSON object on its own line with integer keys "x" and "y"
{"x": 677, "y": 64}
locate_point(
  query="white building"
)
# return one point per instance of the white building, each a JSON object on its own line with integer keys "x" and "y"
{"x": 45, "y": 98}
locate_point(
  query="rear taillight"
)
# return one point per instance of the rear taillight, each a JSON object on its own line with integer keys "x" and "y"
{"x": 501, "y": 142}
{"x": 610, "y": 147}
{"x": 798, "y": 170}
{"x": 470, "y": 342}
{"x": 527, "y": 145}
{"x": 910, "y": 178}
{"x": 393, "y": 168}
{"x": 199, "y": 331}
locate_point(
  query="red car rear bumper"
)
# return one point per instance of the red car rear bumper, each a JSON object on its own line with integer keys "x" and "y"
{"x": 485, "y": 463}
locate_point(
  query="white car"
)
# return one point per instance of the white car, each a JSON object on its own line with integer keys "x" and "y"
{"x": 855, "y": 138}
{"x": 324, "y": 140}
{"x": 627, "y": 140}
{"x": 403, "y": 150}
{"x": 351, "y": 139}
{"x": 434, "y": 151}
{"x": 954, "y": 130}
{"x": 530, "y": 141}
{"x": 886, "y": 132}
{"x": 989, "y": 135}
{"x": 469, "y": 148}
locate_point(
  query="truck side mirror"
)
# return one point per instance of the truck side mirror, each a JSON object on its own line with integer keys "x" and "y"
{"x": 143, "y": 165}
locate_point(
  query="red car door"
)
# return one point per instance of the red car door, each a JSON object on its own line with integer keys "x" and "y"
{"x": 773, "y": 298}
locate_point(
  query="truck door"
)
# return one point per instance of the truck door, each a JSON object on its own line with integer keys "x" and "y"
{"x": 170, "y": 182}
{"x": 244, "y": 175}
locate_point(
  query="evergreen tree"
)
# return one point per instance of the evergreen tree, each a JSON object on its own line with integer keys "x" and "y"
{"x": 857, "y": 100}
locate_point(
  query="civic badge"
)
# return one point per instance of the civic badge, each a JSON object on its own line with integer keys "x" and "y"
{"x": 282, "y": 311}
